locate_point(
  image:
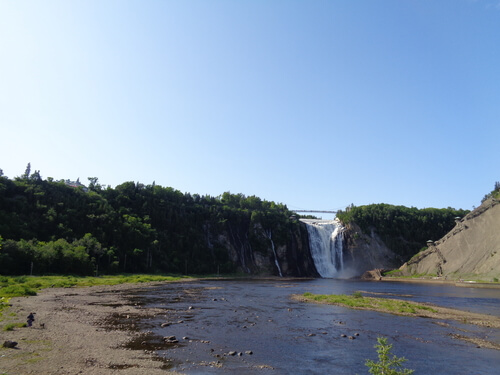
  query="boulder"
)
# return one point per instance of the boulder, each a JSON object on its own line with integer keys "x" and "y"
{"x": 9, "y": 344}
{"x": 170, "y": 339}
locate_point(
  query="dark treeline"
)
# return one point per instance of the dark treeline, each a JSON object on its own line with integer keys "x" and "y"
{"x": 50, "y": 227}
{"x": 404, "y": 230}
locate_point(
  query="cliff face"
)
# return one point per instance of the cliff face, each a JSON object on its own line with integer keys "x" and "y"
{"x": 366, "y": 252}
{"x": 470, "y": 250}
{"x": 257, "y": 251}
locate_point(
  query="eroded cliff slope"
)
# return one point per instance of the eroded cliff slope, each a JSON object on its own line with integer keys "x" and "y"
{"x": 470, "y": 250}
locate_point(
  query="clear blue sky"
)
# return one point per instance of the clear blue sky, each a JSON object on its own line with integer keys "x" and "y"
{"x": 314, "y": 104}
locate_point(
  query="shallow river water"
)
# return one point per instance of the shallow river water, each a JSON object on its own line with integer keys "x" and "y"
{"x": 212, "y": 318}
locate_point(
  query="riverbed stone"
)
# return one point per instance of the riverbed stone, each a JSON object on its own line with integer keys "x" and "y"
{"x": 170, "y": 339}
{"x": 9, "y": 344}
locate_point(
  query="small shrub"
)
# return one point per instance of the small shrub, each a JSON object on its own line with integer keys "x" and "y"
{"x": 388, "y": 364}
{"x": 20, "y": 279}
{"x": 357, "y": 294}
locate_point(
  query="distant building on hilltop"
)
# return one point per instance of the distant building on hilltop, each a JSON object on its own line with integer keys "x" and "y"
{"x": 76, "y": 184}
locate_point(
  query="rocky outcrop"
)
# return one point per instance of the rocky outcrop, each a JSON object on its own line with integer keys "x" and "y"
{"x": 366, "y": 252}
{"x": 470, "y": 250}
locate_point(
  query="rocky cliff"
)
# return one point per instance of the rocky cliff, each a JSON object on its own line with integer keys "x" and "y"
{"x": 366, "y": 252}
{"x": 286, "y": 251}
{"x": 257, "y": 251}
{"x": 470, "y": 250}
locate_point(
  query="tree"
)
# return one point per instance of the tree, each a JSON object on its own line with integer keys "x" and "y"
{"x": 36, "y": 176}
{"x": 388, "y": 364}
{"x": 27, "y": 172}
{"x": 94, "y": 184}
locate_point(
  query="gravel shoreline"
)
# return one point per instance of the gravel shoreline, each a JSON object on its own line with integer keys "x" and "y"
{"x": 76, "y": 337}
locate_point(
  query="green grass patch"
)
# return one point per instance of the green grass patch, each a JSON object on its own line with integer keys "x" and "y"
{"x": 4, "y": 305}
{"x": 12, "y": 326}
{"x": 21, "y": 286}
{"x": 356, "y": 301}
{"x": 395, "y": 272}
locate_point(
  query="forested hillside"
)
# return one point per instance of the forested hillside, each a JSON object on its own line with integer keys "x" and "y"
{"x": 59, "y": 227}
{"x": 404, "y": 230}
{"x": 50, "y": 227}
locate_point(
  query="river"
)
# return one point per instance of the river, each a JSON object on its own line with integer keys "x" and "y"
{"x": 276, "y": 335}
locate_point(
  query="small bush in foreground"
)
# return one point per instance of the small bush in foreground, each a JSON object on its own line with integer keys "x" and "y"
{"x": 388, "y": 364}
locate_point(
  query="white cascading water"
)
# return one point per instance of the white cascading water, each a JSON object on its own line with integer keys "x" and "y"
{"x": 325, "y": 241}
{"x": 269, "y": 235}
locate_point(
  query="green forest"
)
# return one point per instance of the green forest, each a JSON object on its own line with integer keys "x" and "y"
{"x": 49, "y": 227}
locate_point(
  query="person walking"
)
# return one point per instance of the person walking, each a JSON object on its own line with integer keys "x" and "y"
{"x": 31, "y": 319}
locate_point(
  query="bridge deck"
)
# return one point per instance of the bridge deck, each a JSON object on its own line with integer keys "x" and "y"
{"x": 317, "y": 211}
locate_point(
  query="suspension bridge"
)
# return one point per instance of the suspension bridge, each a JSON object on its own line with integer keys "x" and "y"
{"x": 317, "y": 211}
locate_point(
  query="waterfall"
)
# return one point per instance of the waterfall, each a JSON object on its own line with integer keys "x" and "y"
{"x": 268, "y": 234}
{"x": 325, "y": 242}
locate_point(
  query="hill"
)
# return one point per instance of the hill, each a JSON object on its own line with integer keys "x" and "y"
{"x": 470, "y": 250}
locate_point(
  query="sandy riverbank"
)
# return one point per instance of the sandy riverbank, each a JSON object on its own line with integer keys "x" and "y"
{"x": 77, "y": 337}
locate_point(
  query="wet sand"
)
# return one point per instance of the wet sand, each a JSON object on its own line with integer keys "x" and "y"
{"x": 86, "y": 331}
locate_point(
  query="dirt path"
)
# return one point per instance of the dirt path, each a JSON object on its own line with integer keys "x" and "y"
{"x": 76, "y": 337}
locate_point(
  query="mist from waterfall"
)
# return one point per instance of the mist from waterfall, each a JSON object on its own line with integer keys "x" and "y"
{"x": 325, "y": 242}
